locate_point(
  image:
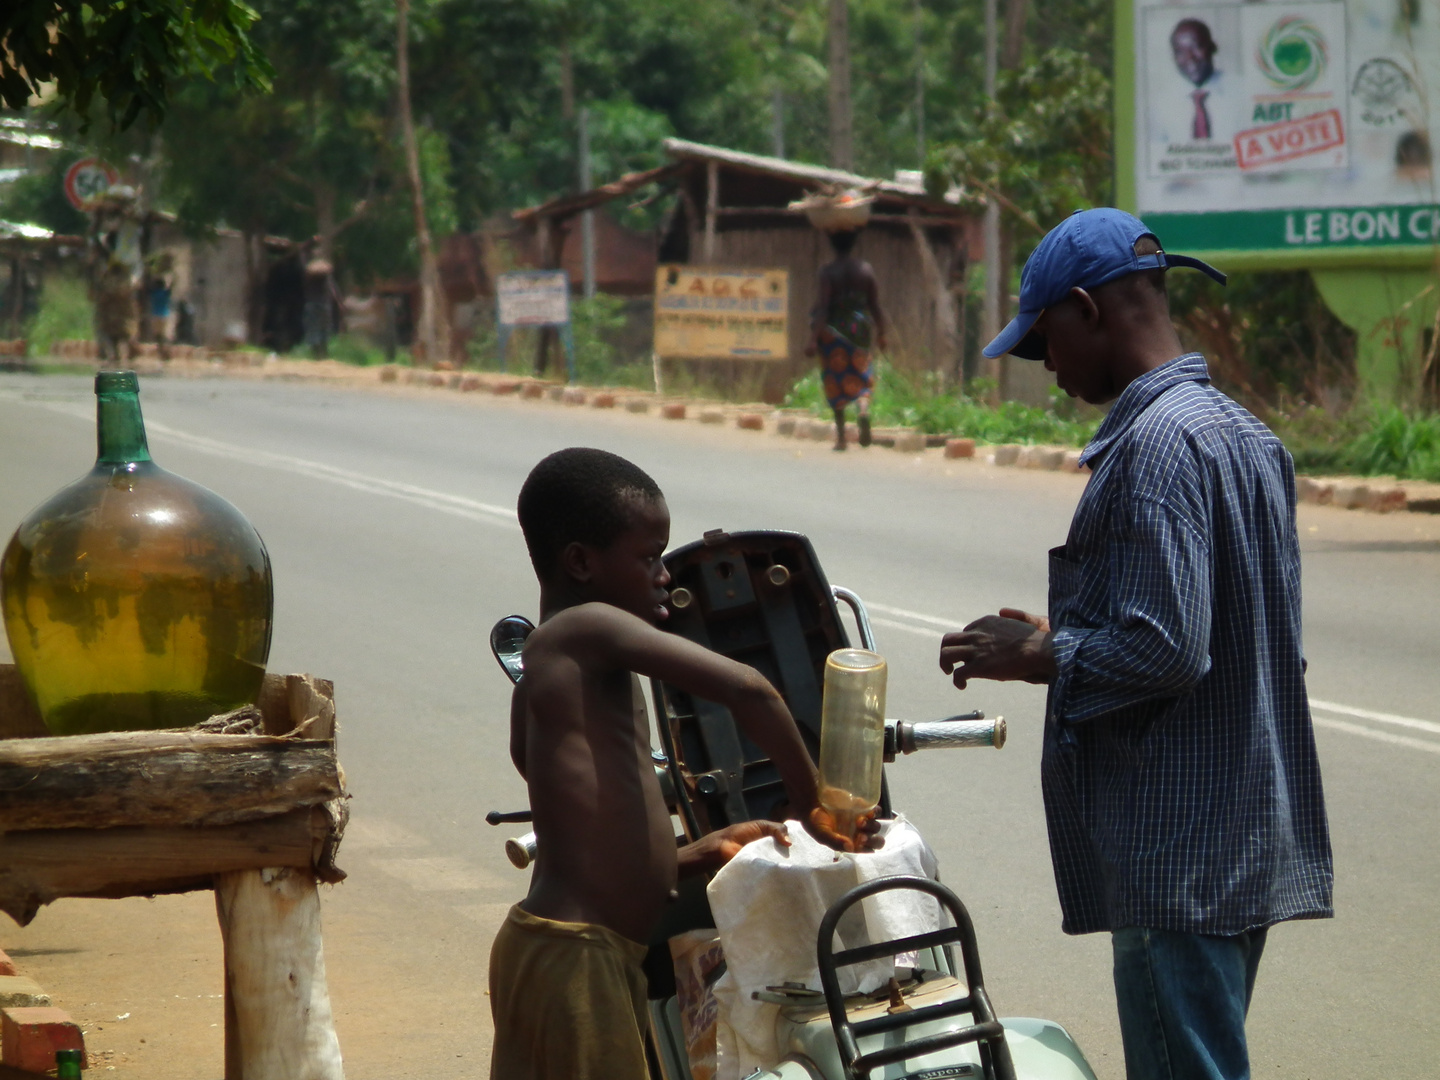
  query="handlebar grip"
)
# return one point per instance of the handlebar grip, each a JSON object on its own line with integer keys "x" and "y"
{"x": 497, "y": 817}
{"x": 943, "y": 734}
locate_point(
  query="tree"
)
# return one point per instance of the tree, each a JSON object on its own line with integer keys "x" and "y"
{"x": 433, "y": 330}
{"x": 128, "y": 54}
{"x": 1043, "y": 148}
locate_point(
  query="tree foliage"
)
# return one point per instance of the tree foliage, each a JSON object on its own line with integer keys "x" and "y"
{"x": 126, "y": 52}
{"x": 1043, "y": 147}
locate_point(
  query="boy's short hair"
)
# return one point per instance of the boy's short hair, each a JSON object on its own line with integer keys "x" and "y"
{"x": 579, "y": 494}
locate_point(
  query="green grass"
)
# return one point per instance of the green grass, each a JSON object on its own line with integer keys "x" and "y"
{"x": 918, "y": 401}
{"x": 595, "y": 323}
{"x": 1376, "y": 442}
{"x": 357, "y": 349}
{"x": 65, "y": 313}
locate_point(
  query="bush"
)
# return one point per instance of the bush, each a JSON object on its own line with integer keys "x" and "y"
{"x": 65, "y": 313}
{"x": 1397, "y": 444}
{"x": 599, "y": 361}
{"x": 1381, "y": 442}
{"x": 356, "y": 349}
{"x": 921, "y": 402}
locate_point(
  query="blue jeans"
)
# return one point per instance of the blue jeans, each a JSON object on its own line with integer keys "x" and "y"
{"x": 1183, "y": 1000}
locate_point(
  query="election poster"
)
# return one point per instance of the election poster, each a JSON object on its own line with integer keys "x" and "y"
{"x": 1277, "y": 126}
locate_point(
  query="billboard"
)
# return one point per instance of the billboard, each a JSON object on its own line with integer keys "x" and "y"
{"x": 704, "y": 312}
{"x": 1278, "y": 133}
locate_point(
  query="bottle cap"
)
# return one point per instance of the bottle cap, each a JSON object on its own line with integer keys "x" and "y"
{"x": 67, "y": 1057}
{"x": 116, "y": 382}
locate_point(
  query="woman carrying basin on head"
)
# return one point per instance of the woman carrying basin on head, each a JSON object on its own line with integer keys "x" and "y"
{"x": 846, "y": 323}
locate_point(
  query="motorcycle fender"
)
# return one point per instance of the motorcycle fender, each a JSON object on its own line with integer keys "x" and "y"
{"x": 1043, "y": 1050}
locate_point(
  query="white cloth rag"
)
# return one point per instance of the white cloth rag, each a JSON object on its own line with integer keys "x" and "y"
{"x": 768, "y": 902}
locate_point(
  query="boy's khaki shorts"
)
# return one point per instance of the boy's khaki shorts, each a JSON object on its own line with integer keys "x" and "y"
{"x": 568, "y": 1000}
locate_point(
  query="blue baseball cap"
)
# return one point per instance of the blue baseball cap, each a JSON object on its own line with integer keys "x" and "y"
{"x": 1087, "y": 249}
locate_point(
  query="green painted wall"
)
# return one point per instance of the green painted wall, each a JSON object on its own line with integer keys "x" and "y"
{"x": 1390, "y": 312}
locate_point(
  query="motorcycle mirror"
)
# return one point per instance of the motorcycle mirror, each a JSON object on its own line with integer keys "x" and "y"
{"x": 507, "y": 638}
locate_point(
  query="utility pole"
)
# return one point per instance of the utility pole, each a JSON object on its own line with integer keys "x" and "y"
{"x": 990, "y": 314}
{"x": 587, "y": 217}
{"x": 567, "y": 80}
{"x": 777, "y": 121}
{"x": 842, "y": 152}
{"x": 433, "y": 333}
{"x": 920, "y": 85}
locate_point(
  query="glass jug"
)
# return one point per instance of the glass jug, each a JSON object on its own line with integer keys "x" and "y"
{"x": 852, "y": 736}
{"x": 134, "y": 598}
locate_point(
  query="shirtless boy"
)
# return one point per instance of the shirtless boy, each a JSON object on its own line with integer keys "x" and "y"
{"x": 566, "y": 989}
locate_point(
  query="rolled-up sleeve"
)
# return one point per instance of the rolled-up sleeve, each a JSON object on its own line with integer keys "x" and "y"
{"x": 1155, "y": 643}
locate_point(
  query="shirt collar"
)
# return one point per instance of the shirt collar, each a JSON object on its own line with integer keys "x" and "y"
{"x": 1139, "y": 394}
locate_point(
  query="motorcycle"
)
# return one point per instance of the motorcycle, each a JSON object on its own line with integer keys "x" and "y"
{"x": 761, "y": 598}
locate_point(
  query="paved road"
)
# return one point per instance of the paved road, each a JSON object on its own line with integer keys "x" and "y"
{"x": 388, "y": 517}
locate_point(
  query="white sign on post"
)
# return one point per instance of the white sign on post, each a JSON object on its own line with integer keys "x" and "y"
{"x": 533, "y": 298}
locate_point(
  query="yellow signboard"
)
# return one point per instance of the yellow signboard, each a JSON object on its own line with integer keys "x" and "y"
{"x": 721, "y": 312}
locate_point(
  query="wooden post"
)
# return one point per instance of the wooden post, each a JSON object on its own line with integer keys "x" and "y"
{"x": 712, "y": 207}
{"x": 278, "y": 1020}
{"x": 941, "y": 300}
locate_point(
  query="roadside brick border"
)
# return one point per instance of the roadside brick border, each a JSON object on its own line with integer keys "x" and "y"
{"x": 1375, "y": 494}
{"x": 30, "y": 1034}
{"x": 29, "y": 1038}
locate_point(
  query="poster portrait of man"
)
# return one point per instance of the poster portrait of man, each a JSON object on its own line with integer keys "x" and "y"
{"x": 1194, "y": 50}
{"x": 1187, "y": 54}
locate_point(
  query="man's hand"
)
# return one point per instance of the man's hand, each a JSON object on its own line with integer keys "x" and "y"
{"x": 820, "y": 823}
{"x": 714, "y": 850}
{"x": 1011, "y": 646}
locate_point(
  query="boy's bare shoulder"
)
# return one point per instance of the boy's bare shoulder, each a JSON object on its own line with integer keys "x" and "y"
{"x": 584, "y": 630}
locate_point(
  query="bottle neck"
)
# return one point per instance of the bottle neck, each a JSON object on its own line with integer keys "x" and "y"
{"x": 120, "y": 429}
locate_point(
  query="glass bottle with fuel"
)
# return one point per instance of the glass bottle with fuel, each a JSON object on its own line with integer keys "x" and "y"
{"x": 134, "y": 598}
{"x": 852, "y": 735}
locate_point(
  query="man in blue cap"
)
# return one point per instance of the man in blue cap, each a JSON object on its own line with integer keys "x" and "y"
{"x": 1182, "y": 790}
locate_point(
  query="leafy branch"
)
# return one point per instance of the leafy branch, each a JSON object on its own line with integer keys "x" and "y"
{"x": 128, "y": 52}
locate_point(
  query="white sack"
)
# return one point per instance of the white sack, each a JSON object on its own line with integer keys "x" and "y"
{"x": 768, "y": 903}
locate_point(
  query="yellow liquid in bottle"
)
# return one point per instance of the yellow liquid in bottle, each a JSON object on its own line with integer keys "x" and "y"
{"x": 846, "y": 809}
{"x": 852, "y": 736}
{"x": 134, "y": 599}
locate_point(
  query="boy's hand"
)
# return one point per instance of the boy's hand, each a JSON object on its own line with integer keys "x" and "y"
{"x": 820, "y": 823}
{"x": 715, "y": 849}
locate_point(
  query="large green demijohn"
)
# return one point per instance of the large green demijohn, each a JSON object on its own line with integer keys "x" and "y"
{"x": 134, "y": 598}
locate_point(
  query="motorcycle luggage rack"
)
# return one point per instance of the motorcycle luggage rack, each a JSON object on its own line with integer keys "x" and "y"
{"x": 986, "y": 1031}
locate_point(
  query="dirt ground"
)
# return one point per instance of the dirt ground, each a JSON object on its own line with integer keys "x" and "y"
{"x": 144, "y": 979}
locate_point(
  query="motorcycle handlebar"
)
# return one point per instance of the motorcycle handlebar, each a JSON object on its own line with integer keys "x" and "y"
{"x": 902, "y": 737}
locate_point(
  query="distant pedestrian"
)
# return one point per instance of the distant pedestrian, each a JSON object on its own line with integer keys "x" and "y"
{"x": 846, "y": 324}
{"x": 115, "y": 314}
{"x": 1182, "y": 787}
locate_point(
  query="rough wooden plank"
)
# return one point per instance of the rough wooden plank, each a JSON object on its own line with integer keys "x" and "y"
{"x": 312, "y": 706}
{"x": 160, "y": 778}
{"x": 41, "y": 866}
{"x": 274, "y": 704}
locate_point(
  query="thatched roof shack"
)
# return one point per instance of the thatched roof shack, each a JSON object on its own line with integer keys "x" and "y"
{"x": 730, "y": 208}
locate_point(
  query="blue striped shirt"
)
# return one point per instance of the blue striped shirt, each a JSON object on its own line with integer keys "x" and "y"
{"x": 1182, "y": 789}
